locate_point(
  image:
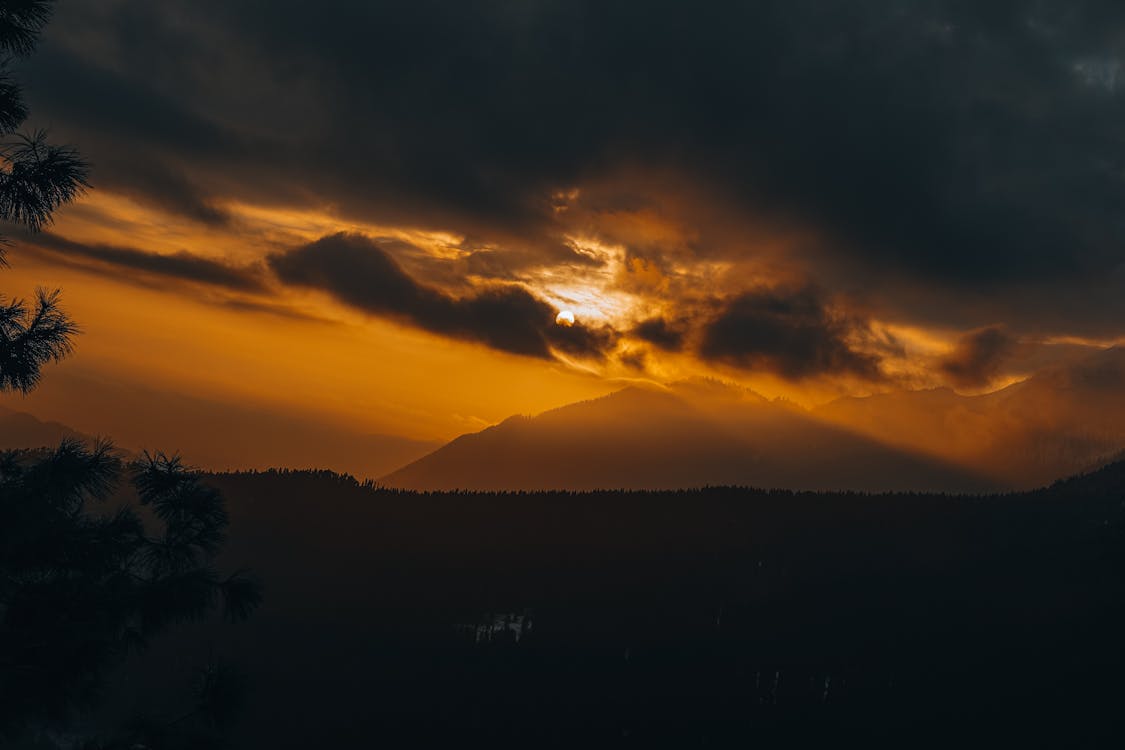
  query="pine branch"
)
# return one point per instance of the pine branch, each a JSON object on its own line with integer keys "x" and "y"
{"x": 20, "y": 24}
{"x": 38, "y": 179}
{"x": 30, "y": 339}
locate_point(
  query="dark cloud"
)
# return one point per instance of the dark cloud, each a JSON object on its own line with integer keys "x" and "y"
{"x": 270, "y": 308}
{"x": 660, "y": 333}
{"x": 142, "y": 141}
{"x": 123, "y": 105}
{"x": 978, "y": 357}
{"x": 634, "y": 360}
{"x": 149, "y": 180}
{"x": 181, "y": 266}
{"x": 358, "y": 271}
{"x": 969, "y": 145}
{"x": 792, "y": 333}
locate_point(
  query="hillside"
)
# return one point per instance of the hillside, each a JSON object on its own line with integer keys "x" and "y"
{"x": 666, "y": 619}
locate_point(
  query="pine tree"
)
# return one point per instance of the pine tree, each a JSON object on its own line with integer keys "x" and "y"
{"x": 36, "y": 178}
{"x": 81, "y": 587}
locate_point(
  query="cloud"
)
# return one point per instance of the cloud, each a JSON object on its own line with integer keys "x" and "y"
{"x": 792, "y": 333}
{"x": 143, "y": 142}
{"x": 359, "y": 272}
{"x": 977, "y": 357}
{"x": 660, "y": 333}
{"x": 953, "y": 145}
{"x": 181, "y": 266}
{"x": 274, "y": 309}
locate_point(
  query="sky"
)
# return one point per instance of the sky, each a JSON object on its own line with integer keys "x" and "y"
{"x": 371, "y": 214}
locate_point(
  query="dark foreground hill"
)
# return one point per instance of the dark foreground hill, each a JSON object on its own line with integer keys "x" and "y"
{"x": 719, "y": 618}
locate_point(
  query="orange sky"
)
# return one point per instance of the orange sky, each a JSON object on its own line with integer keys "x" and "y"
{"x": 303, "y": 353}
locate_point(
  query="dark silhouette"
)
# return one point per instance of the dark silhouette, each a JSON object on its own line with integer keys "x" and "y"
{"x": 724, "y": 617}
{"x": 36, "y": 177}
{"x": 81, "y": 587}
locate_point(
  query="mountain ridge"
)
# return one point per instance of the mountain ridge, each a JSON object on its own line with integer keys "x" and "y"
{"x": 642, "y": 438}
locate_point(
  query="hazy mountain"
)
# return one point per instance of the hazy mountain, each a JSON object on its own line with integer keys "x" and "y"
{"x": 1063, "y": 420}
{"x": 695, "y": 434}
{"x": 20, "y": 430}
{"x": 248, "y": 440}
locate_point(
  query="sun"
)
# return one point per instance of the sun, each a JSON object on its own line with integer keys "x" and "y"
{"x": 565, "y": 318}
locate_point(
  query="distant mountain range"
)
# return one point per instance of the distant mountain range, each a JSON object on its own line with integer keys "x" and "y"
{"x": 1061, "y": 421}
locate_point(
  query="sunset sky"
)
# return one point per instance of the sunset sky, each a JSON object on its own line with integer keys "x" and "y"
{"x": 370, "y": 214}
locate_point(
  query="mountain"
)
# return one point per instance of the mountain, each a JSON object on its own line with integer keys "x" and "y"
{"x": 1063, "y": 420}
{"x": 21, "y": 430}
{"x": 1107, "y": 481}
{"x": 692, "y": 435}
{"x": 249, "y": 440}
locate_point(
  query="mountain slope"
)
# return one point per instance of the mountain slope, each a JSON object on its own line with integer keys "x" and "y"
{"x": 1061, "y": 421}
{"x": 248, "y": 440}
{"x": 21, "y": 430}
{"x": 647, "y": 439}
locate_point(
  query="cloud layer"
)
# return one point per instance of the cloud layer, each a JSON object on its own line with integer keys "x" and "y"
{"x": 953, "y": 163}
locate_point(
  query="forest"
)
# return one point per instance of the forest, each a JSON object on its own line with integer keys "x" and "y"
{"x": 716, "y": 617}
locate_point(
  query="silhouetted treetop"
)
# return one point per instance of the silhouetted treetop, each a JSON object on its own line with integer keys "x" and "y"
{"x": 31, "y": 335}
{"x": 39, "y": 178}
{"x": 20, "y": 24}
{"x": 80, "y": 587}
{"x": 36, "y": 178}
